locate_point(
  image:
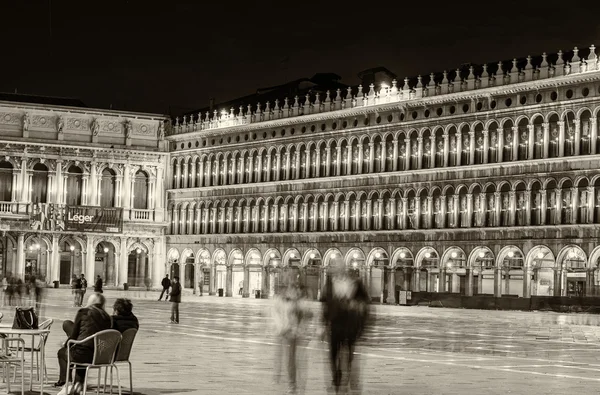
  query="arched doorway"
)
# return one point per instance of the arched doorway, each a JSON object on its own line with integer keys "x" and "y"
{"x": 173, "y": 263}
{"x": 572, "y": 271}
{"x": 236, "y": 261}
{"x": 453, "y": 271}
{"x": 188, "y": 275}
{"x": 6, "y": 180}
{"x": 220, "y": 272}
{"x": 274, "y": 271}
{"x": 104, "y": 263}
{"x": 402, "y": 270}
{"x": 482, "y": 263}
{"x": 137, "y": 266}
{"x": 311, "y": 280}
{"x": 71, "y": 262}
{"x": 254, "y": 274}
{"x": 36, "y": 258}
{"x": 427, "y": 266}
{"x": 510, "y": 265}
{"x": 378, "y": 265}
{"x": 204, "y": 271}
{"x": 542, "y": 264}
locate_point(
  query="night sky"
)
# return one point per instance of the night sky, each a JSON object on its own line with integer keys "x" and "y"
{"x": 168, "y": 56}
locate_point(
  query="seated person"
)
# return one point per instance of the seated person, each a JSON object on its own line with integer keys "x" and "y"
{"x": 88, "y": 321}
{"x": 123, "y": 318}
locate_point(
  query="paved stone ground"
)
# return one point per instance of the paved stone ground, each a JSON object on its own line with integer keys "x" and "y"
{"x": 224, "y": 346}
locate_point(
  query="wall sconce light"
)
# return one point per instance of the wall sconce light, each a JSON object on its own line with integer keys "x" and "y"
{"x": 105, "y": 250}
{"x": 72, "y": 248}
{"x": 139, "y": 250}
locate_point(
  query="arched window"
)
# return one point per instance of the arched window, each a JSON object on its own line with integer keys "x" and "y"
{"x": 6, "y": 178}
{"x": 39, "y": 183}
{"x": 140, "y": 191}
{"x": 74, "y": 186}
{"x": 107, "y": 188}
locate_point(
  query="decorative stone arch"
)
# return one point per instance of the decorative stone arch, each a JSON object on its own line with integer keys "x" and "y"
{"x": 291, "y": 258}
{"x": 397, "y": 193}
{"x": 517, "y": 183}
{"x": 448, "y": 188}
{"x": 219, "y": 257}
{"x": 571, "y": 253}
{"x": 454, "y": 257}
{"x": 473, "y": 186}
{"x": 578, "y": 179}
{"x": 502, "y": 183}
{"x": 173, "y": 256}
{"x": 289, "y": 199}
{"x": 400, "y": 135}
{"x": 38, "y": 238}
{"x": 540, "y": 256}
{"x": 338, "y": 195}
{"x": 373, "y": 195}
{"x": 596, "y": 111}
{"x": 565, "y": 113}
{"x": 82, "y": 243}
{"x": 521, "y": 117}
{"x": 506, "y": 251}
{"x": 312, "y": 256}
{"x": 434, "y": 189}
{"x": 235, "y": 257}
{"x": 489, "y": 123}
{"x": 461, "y": 125}
{"x": 449, "y": 127}
{"x": 592, "y": 263}
{"x": 502, "y": 122}
{"x": 377, "y": 257}
{"x": 563, "y": 180}
{"x": 271, "y": 254}
{"x": 355, "y": 258}
{"x": 535, "y": 116}
{"x": 387, "y": 134}
{"x": 203, "y": 257}
{"x": 547, "y": 181}
{"x": 253, "y": 257}
{"x": 332, "y": 256}
{"x": 133, "y": 245}
{"x": 581, "y": 111}
{"x": 550, "y": 114}
{"x": 403, "y": 255}
{"x": 461, "y": 187}
{"x": 427, "y": 255}
{"x": 420, "y": 190}
{"x": 481, "y": 253}
{"x": 477, "y": 123}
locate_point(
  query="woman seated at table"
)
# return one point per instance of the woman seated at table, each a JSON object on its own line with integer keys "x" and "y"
{"x": 88, "y": 321}
{"x": 123, "y": 317}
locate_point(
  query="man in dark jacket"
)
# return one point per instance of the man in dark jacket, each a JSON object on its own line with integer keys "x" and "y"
{"x": 166, "y": 284}
{"x": 123, "y": 317}
{"x": 345, "y": 314}
{"x": 88, "y": 321}
{"x": 175, "y": 300}
{"x": 98, "y": 284}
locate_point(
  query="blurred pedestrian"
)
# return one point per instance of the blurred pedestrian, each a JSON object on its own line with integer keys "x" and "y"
{"x": 98, "y": 284}
{"x": 290, "y": 316}
{"x": 11, "y": 290}
{"x": 175, "y": 300}
{"x": 39, "y": 294}
{"x": 5, "y": 290}
{"x": 84, "y": 285}
{"x": 166, "y": 284}
{"x": 345, "y": 314}
{"x": 76, "y": 291}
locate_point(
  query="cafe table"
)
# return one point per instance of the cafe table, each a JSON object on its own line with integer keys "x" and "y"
{"x": 8, "y": 331}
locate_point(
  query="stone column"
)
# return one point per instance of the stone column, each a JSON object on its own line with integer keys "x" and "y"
{"x": 379, "y": 225}
{"x": 498, "y": 207}
{"x": 497, "y": 282}
{"x": 123, "y": 264}
{"x": 383, "y": 157}
{"x": 408, "y": 155}
{"x": 393, "y": 213}
{"x": 54, "y": 270}
{"x": 546, "y": 139}
{"x": 338, "y": 162}
{"x": 259, "y": 172}
{"x": 446, "y": 153}
{"x": 391, "y": 296}
{"x": 246, "y": 290}
{"x": 543, "y": 206}
{"x": 515, "y": 143}
{"x": 470, "y": 210}
{"x": 590, "y": 205}
{"x": 404, "y": 211}
{"x": 419, "y": 152}
{"x": 530, "y": 141}
{"x": 593, "y": 134}
{"x": 395, "y": 154}
{"x": 577, "y": 141}
{"x": 471, "y": 147}
{"x": 561, "y": 138}
{"x": 371, "y": 157}
{"x": 317, "y": 172}
{"x": 486, "y": 146}
{"x": 432, "y": 152}
{"x": 458, "y": 148}
{"x": 512, "y": 205}
{"x": 527, "y": 207}
{"x": 228, "y": 282}
{"x": 574, "y": 202}
{"x": 327, "y": 161}
{"x": 90, "y": 257}
{"x": 500, "y": 146}
{"x": 469, "y": 276}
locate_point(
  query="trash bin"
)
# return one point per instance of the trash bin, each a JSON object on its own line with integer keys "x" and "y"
{"x": 257, "y": 294}
{"x": 56, "y": 283}
{"x": 221, "y": 292}
{"x": 125, "y": 286}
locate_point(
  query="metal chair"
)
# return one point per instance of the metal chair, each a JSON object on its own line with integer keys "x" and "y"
{"x": 11, "y": 355}
{"x": 123, "y": 353}
{"x": 105, "y": 348}
{"x": 37, "y": 348}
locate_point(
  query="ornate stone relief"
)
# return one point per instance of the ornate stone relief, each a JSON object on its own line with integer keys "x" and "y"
{"x": 77, "y": 124}
{"x": 43, "y": 121}
{"x": 143, "y": 129}
{"x": 7, "y": 118}
{"x": 111, "y": 126}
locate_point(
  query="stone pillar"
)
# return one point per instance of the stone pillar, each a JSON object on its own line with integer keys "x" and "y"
{"x": 577, "y": 141}
{"x": 498, "y": 207}
{"x": 446, "y": 148}
{"x": 574, "y": 202}
{"x": 530, "y": 141}
{"x": 408, "y": 154}
{"x": 432, "y": 153}
{"x": 469, "y": 277}
{"x": 90, "y": 258}
{"x": 246, "y": 290}
{"x": 317, "y": 171}
{"x": 486, "y": 146}
{"x": 123, "y": 265}
{"x": 593, "y": 134}
{"x": 561, "y": 138}
{"x": 20, "y": 270}
{"x": 382, "y": 157}
{"x": 500, "y": 146}
{"x": 213, "y": 276}
{"x": 546, "y": 139}
{"x": 590, "y": 205}
{"x": 471, "y": 147}
{"x": 395, "y": 155}
{"x": 527, "y": 207}
{"x": 497, "y": 282}
{"x": 338, "y": 161}
{"x": 54, "y": 271}
{"x": 359, "y": 162}
{"x": 327, "y": 161}
{"x": 442, "y": 280}
{"x": 391, "y": 297}
{"x": 515, "y": 142}
{"x": 419, "y": 152}
{"x": 526, "y": 282}
{"x": 511, "y": 206}
{"x": 229, "y": 282}
{"x": 458, "y": 148}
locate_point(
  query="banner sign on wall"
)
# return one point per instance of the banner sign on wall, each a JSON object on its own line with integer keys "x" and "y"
{"x": 55, "y": 217}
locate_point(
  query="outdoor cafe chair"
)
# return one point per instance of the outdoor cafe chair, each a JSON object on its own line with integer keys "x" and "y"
{"x": 13, "y": 356}
{"x": 106, "y": 343}
{"x": 123, "y": 353}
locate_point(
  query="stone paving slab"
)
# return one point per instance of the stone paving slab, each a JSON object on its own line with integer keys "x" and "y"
{"x": 225, "y": 346}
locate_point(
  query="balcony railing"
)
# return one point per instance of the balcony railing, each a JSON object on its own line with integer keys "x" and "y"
{"x": 141, "y": 215}
{"x": 13, "y": 208}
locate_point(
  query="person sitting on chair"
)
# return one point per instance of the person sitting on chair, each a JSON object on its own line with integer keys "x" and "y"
{"x": 123, "y": 317}
{"x": 88, "y": 321}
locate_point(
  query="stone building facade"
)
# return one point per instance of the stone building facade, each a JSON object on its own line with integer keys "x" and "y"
{"x": 485, "y": 182}
{"x": 58, "y": 163}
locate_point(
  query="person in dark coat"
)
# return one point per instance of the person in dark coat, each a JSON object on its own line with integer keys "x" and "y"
{"x": 98, "y": 284}
{"x": 123, "y": 317}
{"x": 175, "y": 300}
{"x": 345, "y": 315}
{"x": 88, "y": 321}
{"x": 166, "y": 284}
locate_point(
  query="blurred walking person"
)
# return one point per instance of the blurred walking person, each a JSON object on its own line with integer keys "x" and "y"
{"x": 5, "y": 290}
{"x": 290, "y": 315}
{"x": 98, "y": 284}
{"x": 175, "y": 300}
{"x": 345, "y": 314}
{"x": 166, "y": 284}
{"x": 76, "y": 291}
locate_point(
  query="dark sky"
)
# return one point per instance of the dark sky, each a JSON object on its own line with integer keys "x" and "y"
{"x": 151, "y": 56}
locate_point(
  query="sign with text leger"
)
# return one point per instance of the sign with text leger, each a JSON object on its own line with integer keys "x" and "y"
{"x": 94, "y": 219}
